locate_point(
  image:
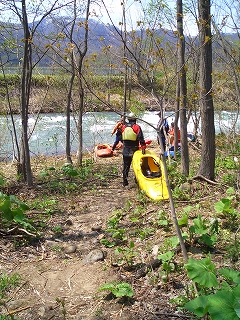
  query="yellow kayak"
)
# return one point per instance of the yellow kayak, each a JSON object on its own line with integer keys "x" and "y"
{"x": 149, "y": 173}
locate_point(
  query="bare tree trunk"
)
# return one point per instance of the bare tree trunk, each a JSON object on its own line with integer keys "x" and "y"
{"x": 80, "y": 115}
{"x": 172, "y": 207}
{"x": 125, "y": 59}
{"x": 82, "y": 54}
{"x": 22, "y": 10}
{"x": 25, "y": 93}
{"x": 176, "y": 118}
{"x": 68, "y": 118}
{"x": 183, "y": 92}
{"x": 69, "y": 97}
{"x": 207, "y": 163}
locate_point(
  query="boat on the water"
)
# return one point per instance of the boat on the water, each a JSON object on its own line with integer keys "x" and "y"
{"x": 149, "y": 173}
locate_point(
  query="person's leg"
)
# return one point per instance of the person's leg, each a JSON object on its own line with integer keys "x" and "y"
{"x": 114, "y": 145}
{"x": 126, "y": 167}
{"x": 171, "y": 139}
{"x": 116, "y": 142}
{"x": 164, "y": 143}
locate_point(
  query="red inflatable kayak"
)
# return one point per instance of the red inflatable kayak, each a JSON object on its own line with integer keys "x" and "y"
{"x": 103, "y": 150}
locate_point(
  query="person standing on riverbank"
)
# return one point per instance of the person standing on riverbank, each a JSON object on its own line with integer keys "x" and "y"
{"x": 118, "y": 130}
{"x": 162, "y": 130}
{"x": 171, "y": 134}
{"x": 132, "y": 135}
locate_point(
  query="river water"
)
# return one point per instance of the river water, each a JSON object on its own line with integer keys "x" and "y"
{"x": 48, "y": 137}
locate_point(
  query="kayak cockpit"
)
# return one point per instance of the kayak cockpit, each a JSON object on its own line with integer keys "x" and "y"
{"x": 150, "y": 167}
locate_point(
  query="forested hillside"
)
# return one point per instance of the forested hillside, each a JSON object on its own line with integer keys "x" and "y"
{"x": 100, "y": 36}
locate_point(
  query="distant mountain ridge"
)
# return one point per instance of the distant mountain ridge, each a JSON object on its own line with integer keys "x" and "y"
{"x": 100, "y": 35}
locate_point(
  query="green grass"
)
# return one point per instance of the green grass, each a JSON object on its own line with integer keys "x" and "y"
{"x": 8, "y": 282}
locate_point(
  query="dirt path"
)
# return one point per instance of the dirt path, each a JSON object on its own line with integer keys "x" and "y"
{"x": 58, "y": 282}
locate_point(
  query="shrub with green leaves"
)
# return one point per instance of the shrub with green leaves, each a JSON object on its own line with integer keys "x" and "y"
{"x": 219, "y": 290}
{"x": 118, "y": 289}
{"x": 225, "y": 206}
{"x": 167, "y": 264}
{"x": 206, "y": 231}
{"x": 12, "y": 210}
{"x": 127, "y": 254}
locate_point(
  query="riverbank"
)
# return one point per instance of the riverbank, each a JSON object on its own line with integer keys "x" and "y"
{"x": 54, "y": 100}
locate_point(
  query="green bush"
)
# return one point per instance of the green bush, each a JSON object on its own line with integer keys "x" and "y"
{"x": 219, "y": 291}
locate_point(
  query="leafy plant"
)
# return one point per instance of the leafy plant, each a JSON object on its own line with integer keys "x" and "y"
{"x": 183, "y": 220}
{"x": 81, "y": 172}
{"x": 12, "y": 210}
{"x": 62, "y": 303}
{"x": 206, "y": 231}
{"x": 202, "y": 272}
{"x": 225, "y": 205}
{"x": 177, "y": 180}
{"x": 162, "y": 220}
{"x": 127, "y": 253}
{"x": 48, "y": 205}
{"x": 219, "y": 291}
{"x": 181, "y": 194}
{"x": 69, "y": 170}
{"x": 226, "y": 208}
{"x": 117, "y": 233}
{"x": 142, "y": 198}
{"x": 118, "y": 289}
{"x": 145, "y": 232}
{"x": 114, "y": 229}
{"x": 107, "y": 243}
{"x": 1, "y": 181}
{"x": 229, "y": 179}
{"x": 167, "y": 264}
{"x": 232, "y": 246}
{"x": 226, "y": 162}
{"x": 58, "y": 230}
{"x": 136, "y": 214}
{"x": 7, "y": 282}
{"x": 8, "y": 317}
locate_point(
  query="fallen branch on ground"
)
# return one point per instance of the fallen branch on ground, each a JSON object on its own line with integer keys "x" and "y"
{"x": 17, "y": 310}
{"x": 15, "y": 230}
